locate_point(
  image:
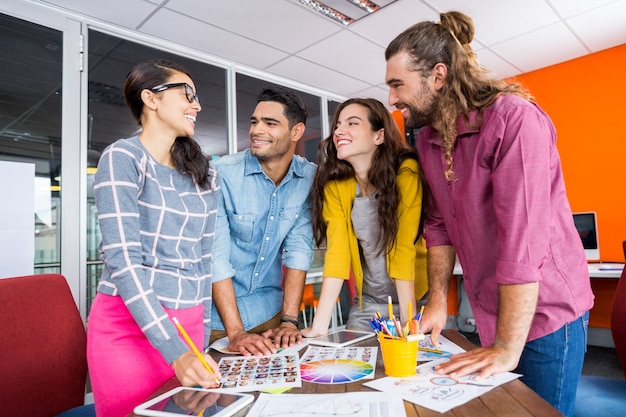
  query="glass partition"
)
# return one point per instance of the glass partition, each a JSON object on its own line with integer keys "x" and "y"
{"x": 110, "y": 60}
{"x": 31, "y": 110}
{"x": 30, "y": 124}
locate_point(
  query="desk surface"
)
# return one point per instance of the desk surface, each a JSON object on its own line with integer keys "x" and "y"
{"x": 511, "y": 399}
{"x": 596, "y": 270}
{"x": 605, "y": 270}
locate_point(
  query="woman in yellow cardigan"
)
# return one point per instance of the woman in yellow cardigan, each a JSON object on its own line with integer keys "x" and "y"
{"x": 366, "y": 203}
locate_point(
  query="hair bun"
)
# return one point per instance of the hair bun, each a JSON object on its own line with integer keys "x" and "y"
{"x": 460, "y": 25}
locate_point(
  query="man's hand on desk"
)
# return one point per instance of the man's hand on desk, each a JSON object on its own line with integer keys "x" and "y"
{"x": 484, "y": 361}
{"x": 252, "y": 344}
{"x": 285, "y": 335}
{"x": 433, "y": 320}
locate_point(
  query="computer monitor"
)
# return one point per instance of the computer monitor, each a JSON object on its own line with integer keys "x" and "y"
{"x": 587, "y": 227}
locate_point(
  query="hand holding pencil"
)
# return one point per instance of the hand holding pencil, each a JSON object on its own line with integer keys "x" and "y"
{"x": 186, "y": 368}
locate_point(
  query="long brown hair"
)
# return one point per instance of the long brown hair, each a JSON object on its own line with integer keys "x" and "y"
{"x": 186, "y": 152}
{"x": 382, "y": 175}
{"x": 469, "y": 86}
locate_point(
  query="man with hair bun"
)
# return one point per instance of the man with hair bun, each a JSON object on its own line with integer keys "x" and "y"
{"x": 498, "y": 202}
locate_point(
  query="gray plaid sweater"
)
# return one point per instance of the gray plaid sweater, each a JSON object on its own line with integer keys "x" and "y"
{"x": 157, "y": 234}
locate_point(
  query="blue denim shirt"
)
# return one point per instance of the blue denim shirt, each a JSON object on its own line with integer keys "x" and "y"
{"x": 260, "y": 227}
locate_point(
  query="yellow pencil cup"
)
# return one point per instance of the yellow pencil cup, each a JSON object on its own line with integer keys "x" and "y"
{"x": 399, "y": 356}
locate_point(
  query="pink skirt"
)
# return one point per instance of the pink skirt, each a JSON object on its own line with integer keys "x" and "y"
{"x": 124, "y": 368}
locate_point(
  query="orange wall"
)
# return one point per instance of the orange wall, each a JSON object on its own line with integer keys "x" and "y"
{"x": 586, "y": 99}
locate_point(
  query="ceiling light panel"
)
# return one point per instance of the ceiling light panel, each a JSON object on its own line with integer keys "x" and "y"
{"x": 345, "y": 12}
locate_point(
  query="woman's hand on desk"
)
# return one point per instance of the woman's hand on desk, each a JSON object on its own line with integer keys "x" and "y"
{"x": 310, "y": 332}
{"x": 191, "y": 372}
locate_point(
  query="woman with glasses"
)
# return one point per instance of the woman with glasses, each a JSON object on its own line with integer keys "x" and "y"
{"x": 157, "y": 203}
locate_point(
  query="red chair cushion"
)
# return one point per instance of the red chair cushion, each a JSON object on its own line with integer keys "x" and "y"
{"x": 42, "y": 347}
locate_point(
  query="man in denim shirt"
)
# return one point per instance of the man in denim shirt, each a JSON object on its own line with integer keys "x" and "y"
{"x": 264, "y": 222}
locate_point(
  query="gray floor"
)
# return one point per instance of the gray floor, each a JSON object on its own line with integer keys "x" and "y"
{"x": 599, "y": 361}
{"x": 602, "y": 361}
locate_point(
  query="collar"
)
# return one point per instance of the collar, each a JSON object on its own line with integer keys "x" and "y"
{"x": 467, "y": 127}
{"x": 253, "y": 166}
{"x": 463, "y": 127}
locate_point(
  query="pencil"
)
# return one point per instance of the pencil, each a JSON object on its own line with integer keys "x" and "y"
{"x": 419, "y": 315}
{"x": 398, "y": 327}
{"x": 423, "y": 349}
{"x": 193, "y": 347}
{"x": 419, "y": 318}
{"x": 409, "y": 318}
{"x": 390, "y": 307}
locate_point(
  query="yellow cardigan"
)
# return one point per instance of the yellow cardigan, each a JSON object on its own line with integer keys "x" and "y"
{"x": 406, "y": 260}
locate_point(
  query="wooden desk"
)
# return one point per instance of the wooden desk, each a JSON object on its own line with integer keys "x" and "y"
{"x": 511, "y": 399}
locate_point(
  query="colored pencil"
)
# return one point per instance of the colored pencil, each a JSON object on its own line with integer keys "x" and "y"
{"x": 419, "y": 318}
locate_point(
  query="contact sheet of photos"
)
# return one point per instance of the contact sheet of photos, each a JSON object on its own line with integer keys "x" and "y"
{"x": 257, "y": 373}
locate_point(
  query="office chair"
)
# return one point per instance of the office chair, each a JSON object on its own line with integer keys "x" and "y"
{"x": 599, "y": 396}
{"x": 310, "y": 300}
{"x": 43, "y": 362}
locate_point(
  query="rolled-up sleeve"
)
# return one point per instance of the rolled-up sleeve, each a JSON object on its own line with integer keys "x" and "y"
{"x": 521, "y": 194}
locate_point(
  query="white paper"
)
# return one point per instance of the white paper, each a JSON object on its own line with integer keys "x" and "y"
{"x": 353, "y": 404}
{"x": 221, "y": 345}
{"x": 437, "y": 392}
{"x": 446, "y": 347}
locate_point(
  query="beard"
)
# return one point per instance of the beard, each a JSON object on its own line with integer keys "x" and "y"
{"x": 420, "y": 117}
{"x": 277, "y": 149}
{"x": 422, "y": 109}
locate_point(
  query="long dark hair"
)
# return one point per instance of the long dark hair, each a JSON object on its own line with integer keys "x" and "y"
{"x": 383, "y": 173}
{"x": 469, "y": 86}
{"x": 186, "y": 152}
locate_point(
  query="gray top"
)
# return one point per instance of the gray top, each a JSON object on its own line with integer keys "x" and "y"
{"x": 377, "y": 284}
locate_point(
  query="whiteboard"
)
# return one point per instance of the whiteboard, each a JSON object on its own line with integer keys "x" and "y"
{"x": 17, "y": 219}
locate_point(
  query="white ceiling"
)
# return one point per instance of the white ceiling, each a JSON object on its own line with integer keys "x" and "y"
{"x": 287, "y": 39}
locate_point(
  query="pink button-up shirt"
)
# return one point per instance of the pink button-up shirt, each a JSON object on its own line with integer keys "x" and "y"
{"x": 507, "y": 215}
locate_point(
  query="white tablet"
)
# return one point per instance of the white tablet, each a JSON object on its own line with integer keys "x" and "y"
{"x": 341, "y": 338}
{"x": 185, "y": 401}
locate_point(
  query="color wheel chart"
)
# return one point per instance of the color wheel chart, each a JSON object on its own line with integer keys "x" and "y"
{"x": 325, "y": 365}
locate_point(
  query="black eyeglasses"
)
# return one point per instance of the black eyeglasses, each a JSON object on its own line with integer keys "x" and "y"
{"x": 189, "y": 94}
